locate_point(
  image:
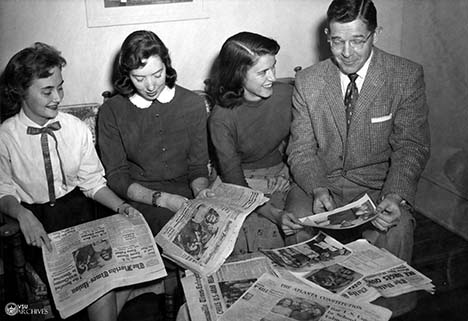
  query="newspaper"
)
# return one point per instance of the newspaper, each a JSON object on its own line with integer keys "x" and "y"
{"x": 274, "y": 299}
{"x": 202, "y": 234}
{"x": 320, "y": 251}
{"x": 368, "y": 273}
{"x": 208, "y": 297}
{"x": 90, "y": 259}
{"x": 345, "y": 217}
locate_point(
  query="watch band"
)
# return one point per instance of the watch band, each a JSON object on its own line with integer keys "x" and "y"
{"x": 155, "y": 198}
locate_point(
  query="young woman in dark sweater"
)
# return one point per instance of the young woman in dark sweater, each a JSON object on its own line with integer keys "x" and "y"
{"x": 249, "y": 127}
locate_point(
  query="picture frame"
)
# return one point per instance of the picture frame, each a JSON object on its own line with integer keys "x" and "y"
{"x": 98, "y": 15}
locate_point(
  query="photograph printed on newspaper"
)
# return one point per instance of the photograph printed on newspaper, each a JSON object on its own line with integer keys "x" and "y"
{"x": 202, "y": 234}
{"x": 208, "y": 297}
{"x": 273, "y": 299}
{"x": 90, "y": 259}
{"x": 317, "y": 252}
{"x": 366, "y": 274}
{"x": 345, "y": 217}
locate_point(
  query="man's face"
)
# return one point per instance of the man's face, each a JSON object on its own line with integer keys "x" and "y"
{"x": 212, "y": 217}
{"x": 348, "y": 56}
{"x": 192, "y": 245}
{"x": 104, "y": 249}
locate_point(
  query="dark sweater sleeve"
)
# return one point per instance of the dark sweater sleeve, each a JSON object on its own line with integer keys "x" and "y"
{"x": 222, "y": 135}
{"x": 112, "y": 150}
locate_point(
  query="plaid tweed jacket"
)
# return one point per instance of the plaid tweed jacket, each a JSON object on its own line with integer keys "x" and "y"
{"x": 388, "y": 143}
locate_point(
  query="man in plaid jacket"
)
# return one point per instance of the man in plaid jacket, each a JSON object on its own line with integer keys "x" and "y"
{"x": 379, "y": 146}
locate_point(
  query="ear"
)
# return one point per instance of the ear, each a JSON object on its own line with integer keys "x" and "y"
{"x": 377, "y": 32}
{"x": 326, "y": 31}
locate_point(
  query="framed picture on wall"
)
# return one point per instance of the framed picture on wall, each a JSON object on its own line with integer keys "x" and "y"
{"x": 102, "y": 13}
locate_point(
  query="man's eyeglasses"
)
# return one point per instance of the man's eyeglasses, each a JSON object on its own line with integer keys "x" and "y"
{"x": 356, "y": 44}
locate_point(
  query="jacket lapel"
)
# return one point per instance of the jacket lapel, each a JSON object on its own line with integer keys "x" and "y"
{"x": 334, "y": 97}
{"x": 372, "y": 85}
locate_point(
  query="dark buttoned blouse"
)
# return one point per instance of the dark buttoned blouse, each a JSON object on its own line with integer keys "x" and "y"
{"x": 162, "y": 143}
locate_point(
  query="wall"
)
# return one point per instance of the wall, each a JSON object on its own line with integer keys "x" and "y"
{"x": 435, "y": 34}
{"x": 193, "y": 44}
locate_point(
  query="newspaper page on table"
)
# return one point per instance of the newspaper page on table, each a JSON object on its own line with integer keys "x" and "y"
{"x": 368, "y": 273}
{"x": 273, "y": 299}
{"x": 317, "y": 252}
{"x": 345, "y": 217}
{"x": 202, "y": 234}
{"x": 90, "y": 259}
{"x": 208, "y": 297}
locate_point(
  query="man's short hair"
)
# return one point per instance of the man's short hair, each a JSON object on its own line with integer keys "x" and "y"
{"x": 344, "y": 11}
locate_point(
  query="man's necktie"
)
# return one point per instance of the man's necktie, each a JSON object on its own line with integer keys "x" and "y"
{"x": 44, "y": 131}
{"x": 351, "y": 98}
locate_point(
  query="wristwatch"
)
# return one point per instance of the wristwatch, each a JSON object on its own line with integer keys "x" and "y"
{"x": 155, "y": 198}
{"x": 404, "y": 204}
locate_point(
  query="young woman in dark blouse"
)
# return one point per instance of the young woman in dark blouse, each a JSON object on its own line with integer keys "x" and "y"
{"x": 152, "y": 135}
{"x": 249, "y": 127}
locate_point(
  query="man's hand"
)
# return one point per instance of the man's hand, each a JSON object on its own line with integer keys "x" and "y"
{"x": 388, "y": 212}
{"x": 323, "y": 201}
{"x": 33, "y": 230}
{"x": 289, "y": 223}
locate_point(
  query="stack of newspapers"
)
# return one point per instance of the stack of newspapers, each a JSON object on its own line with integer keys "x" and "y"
{"x": 318, "y": 279}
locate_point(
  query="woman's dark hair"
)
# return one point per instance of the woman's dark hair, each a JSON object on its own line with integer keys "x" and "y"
{"x": 344, "y": 11}
{"x": 237, "y": 55}
{"x": 25, "y": 66}
{"x": 137, "y": 47}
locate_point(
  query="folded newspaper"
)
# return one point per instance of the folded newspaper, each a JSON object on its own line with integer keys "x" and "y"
{"x": 366, "y": 274}
{"x": 202, "y": 234}
{"x": 345, "y": 217}
{"x": 208, "y": 297}
{"x": 273, "y": 299}
{"x": 317, "y": 252}
{"x": 357, "y": 271}
{"x": 90, "y": 259}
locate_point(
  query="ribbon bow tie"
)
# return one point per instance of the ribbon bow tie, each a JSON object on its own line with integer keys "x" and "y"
{"x": 48, "y": 129}
{"x": 45, "y": 132}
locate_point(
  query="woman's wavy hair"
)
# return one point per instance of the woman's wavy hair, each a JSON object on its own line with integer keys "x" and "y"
{"x": 25, "y": 66}
{"x": 239, "y": 53}
{"x": 136, "y": 48}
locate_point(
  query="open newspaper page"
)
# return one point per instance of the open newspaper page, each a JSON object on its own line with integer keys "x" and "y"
{"x": 208, "y": 297}
{"x": 345, "y": 217}
{"x": 273, "y": 299}
{"x": 90, "y": 259}
{"x": 202, "y": 234}
{"x": 320, "y": 251}
{"x": 368, "y": 273}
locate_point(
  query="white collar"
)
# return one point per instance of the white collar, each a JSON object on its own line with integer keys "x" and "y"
{"x": 363, "y": 71}
{"x": 29, "y": 122}
{"x": 166, "y": 95}
{"x": 344, "y": 79}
